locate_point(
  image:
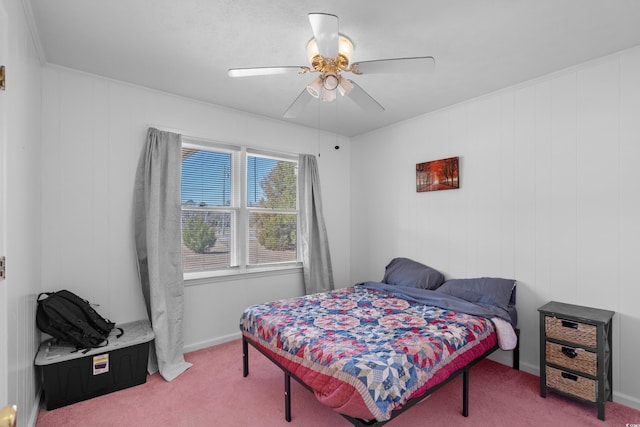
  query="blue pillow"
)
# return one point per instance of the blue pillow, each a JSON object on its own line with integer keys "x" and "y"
{"x": 406, "y": 272}
{"x": 485, "y": 290}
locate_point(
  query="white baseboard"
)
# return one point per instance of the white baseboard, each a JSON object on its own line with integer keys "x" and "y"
{"x": 33, "y": 413}
{"x": 530, "y": 369}
{"x": 626, "y": 400}
{"x": 209, "y": 343}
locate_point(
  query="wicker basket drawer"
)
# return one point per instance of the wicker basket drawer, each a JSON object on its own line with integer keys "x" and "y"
{"x": 572, "y": 358}
{"x": 574, "y": 385}
{"x": 570, "y": 331}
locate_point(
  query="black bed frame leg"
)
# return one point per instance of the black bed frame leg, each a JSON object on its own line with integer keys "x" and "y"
{"x": 287, "y": 397}
{"x": 465, "y": 392}
{"x": 516, "y": 351}
{"x": 245, "y": 357}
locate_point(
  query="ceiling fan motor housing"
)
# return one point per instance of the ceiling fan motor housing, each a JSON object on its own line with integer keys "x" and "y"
{"x": 340, "y": 62}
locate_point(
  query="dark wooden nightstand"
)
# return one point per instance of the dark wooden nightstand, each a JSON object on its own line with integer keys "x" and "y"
{"x": 575, "y": 353}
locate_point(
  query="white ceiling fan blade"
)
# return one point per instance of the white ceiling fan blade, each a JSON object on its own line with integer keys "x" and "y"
{"x": 363, "y": 99}
{"x": 420, "y": 64}
{"x": 267, "y": 71}
{"x": 298, "y": 105}
{"x": 325, "y": 31}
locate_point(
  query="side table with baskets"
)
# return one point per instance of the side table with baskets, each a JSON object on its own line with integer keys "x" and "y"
{"x": 575, "y": 353}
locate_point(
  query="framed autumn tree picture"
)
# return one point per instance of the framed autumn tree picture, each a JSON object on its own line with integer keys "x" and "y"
{"x": 436, "y": 175}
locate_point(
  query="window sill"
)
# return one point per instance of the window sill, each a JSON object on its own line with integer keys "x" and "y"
{"x": 196, "y": 279}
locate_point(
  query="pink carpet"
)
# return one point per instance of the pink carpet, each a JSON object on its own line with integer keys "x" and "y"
{"x": 214, "y": 393}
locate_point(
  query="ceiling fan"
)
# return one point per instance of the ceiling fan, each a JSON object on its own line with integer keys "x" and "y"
{"x": 329, "y": 53}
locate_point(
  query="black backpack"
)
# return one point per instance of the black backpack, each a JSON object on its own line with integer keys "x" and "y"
{"x": 71, "y": 319}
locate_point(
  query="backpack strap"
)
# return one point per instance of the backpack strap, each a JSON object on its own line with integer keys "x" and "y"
{"x": 85, "y": 350}
{"x": 104, "y": 344}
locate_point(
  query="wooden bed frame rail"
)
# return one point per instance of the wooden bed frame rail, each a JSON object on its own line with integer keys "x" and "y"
{"x": 410, "y": 403}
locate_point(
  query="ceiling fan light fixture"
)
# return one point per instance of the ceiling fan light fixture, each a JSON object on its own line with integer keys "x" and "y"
{"x": 345, "y": 47}
{"x": 315, "y": 87}
{"x": 330, "y": 81}
{"x": 328, "y": 95}
{"x": 344, "y": 86}
{"x": 312, "y": 49}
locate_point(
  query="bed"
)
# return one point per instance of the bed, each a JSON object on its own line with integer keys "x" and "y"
{"x": 375, "y": 349}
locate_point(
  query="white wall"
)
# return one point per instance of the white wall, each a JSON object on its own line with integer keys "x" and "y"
{"x": 550, "y": 196}
{"x": 93, "y": 134}
{"x": 21, "y": 211}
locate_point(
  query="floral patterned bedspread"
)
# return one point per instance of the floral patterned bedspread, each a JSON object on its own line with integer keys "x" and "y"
{"x": 385, "y": 347}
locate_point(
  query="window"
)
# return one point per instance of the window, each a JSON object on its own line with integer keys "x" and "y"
{"x": 239, "y": 208}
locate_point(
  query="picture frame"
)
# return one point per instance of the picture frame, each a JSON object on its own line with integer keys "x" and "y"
{"x": 435, "y": 175}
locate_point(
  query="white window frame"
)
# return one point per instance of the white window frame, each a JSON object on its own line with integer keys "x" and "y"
{"x": 240, "y": 217}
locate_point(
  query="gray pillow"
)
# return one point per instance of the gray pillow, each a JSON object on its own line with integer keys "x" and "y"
{"x": 406, "y": 272}
{"x": 485, "y": 290}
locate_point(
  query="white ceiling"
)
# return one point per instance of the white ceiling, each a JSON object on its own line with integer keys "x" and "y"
{"x": 186, "y": 46}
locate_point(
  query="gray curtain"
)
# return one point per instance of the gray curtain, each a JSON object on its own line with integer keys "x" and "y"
{"x": 314, "y": 245}
{"x": 158, "y": 247}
